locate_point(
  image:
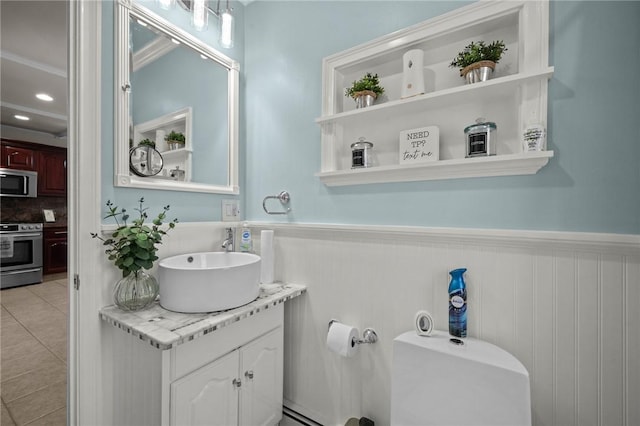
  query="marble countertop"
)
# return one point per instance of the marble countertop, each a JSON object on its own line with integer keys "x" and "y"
{"x": 165, "y": 329}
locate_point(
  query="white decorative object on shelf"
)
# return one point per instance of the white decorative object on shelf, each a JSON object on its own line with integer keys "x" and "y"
{"x": 534, "y": 138}
{"x": 412, "y": 73}
{"x": 419, "y": 145}
{"x": 516, "y": 95}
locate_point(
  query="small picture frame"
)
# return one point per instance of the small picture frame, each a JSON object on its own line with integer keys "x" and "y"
{"x": 49, "y": 215}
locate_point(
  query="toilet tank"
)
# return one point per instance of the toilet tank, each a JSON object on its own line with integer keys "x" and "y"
{"x": 435, "y": 382}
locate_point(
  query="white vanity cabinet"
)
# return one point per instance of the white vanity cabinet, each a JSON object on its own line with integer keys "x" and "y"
{"x": 208, "y": 395}
{"x": 223, "y": 368}
{"x": 243, "y": 387}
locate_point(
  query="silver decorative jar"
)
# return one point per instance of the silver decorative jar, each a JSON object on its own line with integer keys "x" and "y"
{"x": 478, "y": 71}
{"x": 364, "y": 99}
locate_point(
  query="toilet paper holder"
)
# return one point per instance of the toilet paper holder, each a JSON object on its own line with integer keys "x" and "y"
{"x": 369, "y": 335}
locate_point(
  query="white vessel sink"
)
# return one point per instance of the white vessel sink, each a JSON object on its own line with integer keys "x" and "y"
{"x": 209, "y": 281}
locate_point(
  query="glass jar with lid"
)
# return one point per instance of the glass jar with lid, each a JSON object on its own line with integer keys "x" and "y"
{"x": 481, "y": 138}
{"x": 361, "y": 154}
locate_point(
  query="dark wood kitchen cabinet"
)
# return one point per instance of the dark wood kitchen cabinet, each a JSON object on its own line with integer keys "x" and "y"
{"x": 49, "y": 161}
{"x": 52, "y": 172}
{"x": 55, "y": 250}
{"x": 18, "y": 157}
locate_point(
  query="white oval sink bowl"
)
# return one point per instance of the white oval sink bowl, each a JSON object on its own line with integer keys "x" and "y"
{"x": 209, "y": 281}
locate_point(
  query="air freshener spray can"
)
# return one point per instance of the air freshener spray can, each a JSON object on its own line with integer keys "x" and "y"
{"x": 457, "y": 304}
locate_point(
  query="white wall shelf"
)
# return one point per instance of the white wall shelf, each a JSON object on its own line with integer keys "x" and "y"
{"x": 176, "y": 153}
{"x": 515, "y": 97}
{"x": 504, "y": 165}
{"x": 501, "y": 87}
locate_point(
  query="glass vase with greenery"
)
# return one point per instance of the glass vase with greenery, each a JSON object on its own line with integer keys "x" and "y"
{"x": 132, "y": 247}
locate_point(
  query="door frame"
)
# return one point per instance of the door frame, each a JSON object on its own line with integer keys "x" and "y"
{"x": 84, "y": 373}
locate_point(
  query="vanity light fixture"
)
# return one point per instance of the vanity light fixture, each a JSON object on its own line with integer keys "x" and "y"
{"x": 200, "y": 14}
{"x": 226, "y": 26}
{"x": 44, "y": 97}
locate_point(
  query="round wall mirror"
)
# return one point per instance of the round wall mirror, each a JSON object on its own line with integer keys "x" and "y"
{"x": 145, "y": 161}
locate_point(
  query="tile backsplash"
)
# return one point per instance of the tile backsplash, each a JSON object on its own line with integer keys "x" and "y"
{"x": 30, "y": 209}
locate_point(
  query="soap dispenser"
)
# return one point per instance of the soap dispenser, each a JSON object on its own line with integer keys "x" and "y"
{"x": 458, "y": 304}
{"x": 246, "y": 244}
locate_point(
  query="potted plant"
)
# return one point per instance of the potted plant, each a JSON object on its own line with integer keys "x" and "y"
{"x": 132, "y": 248}
{"x": 175, "y": 140}
{"x": 478, "y": 60}
{"x": 365, "y": 90}
{"x": 147, "y": 142}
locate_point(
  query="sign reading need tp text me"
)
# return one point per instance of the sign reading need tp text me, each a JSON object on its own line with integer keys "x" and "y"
{"x": 419, "y": 145}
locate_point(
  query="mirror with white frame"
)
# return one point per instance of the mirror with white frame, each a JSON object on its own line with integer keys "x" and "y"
{"x": 168, "y": 82}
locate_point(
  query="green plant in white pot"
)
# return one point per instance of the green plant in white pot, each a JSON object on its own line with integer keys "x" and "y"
{"x": 132, "y": 248}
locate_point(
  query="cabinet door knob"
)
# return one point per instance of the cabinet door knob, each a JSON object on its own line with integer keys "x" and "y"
{"x": 248, "y": 374}
{"x": 237, "y": 383}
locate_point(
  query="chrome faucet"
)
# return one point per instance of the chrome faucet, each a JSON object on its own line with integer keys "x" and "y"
{"x": 227, "y": 244}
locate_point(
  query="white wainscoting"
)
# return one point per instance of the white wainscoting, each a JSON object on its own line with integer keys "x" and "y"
{"x": 567, "y": 305}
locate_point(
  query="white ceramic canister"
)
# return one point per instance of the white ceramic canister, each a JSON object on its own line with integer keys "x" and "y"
{"x": 534, "y": 138}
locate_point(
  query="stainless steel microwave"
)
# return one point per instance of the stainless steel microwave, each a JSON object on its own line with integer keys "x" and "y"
{"x": 18, "y": 183}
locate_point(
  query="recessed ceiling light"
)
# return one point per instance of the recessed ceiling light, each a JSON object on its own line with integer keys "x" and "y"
{"x": 44, "y": 97}
{"x": 21, "y": 117}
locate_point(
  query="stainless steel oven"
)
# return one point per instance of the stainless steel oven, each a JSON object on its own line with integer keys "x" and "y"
{"x": 20, "y": 254}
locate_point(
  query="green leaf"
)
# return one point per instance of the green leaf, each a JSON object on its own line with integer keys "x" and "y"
{"x": 141, "y": 254}
{"x": 146, "y": 264}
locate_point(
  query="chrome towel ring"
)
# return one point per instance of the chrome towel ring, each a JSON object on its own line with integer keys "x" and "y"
{"x": 284, "y": 199}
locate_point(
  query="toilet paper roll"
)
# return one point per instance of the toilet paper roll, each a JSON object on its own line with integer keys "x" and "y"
{"x": 424, "y": 323}
{"x": 342, "y": 338}
{"x": 266, "y": 255}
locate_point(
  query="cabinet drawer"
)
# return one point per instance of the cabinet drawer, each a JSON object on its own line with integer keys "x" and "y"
{"x": 193, "y": 355}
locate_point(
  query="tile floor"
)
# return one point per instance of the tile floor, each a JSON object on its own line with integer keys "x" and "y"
{"x": 33, "y": 353}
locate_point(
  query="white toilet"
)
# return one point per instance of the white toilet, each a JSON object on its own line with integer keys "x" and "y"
{"x": 435, "y": 382}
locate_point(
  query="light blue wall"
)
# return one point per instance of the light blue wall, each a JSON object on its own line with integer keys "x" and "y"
{"x": 187, "y": 206}
{"x": 592, "y": 184}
